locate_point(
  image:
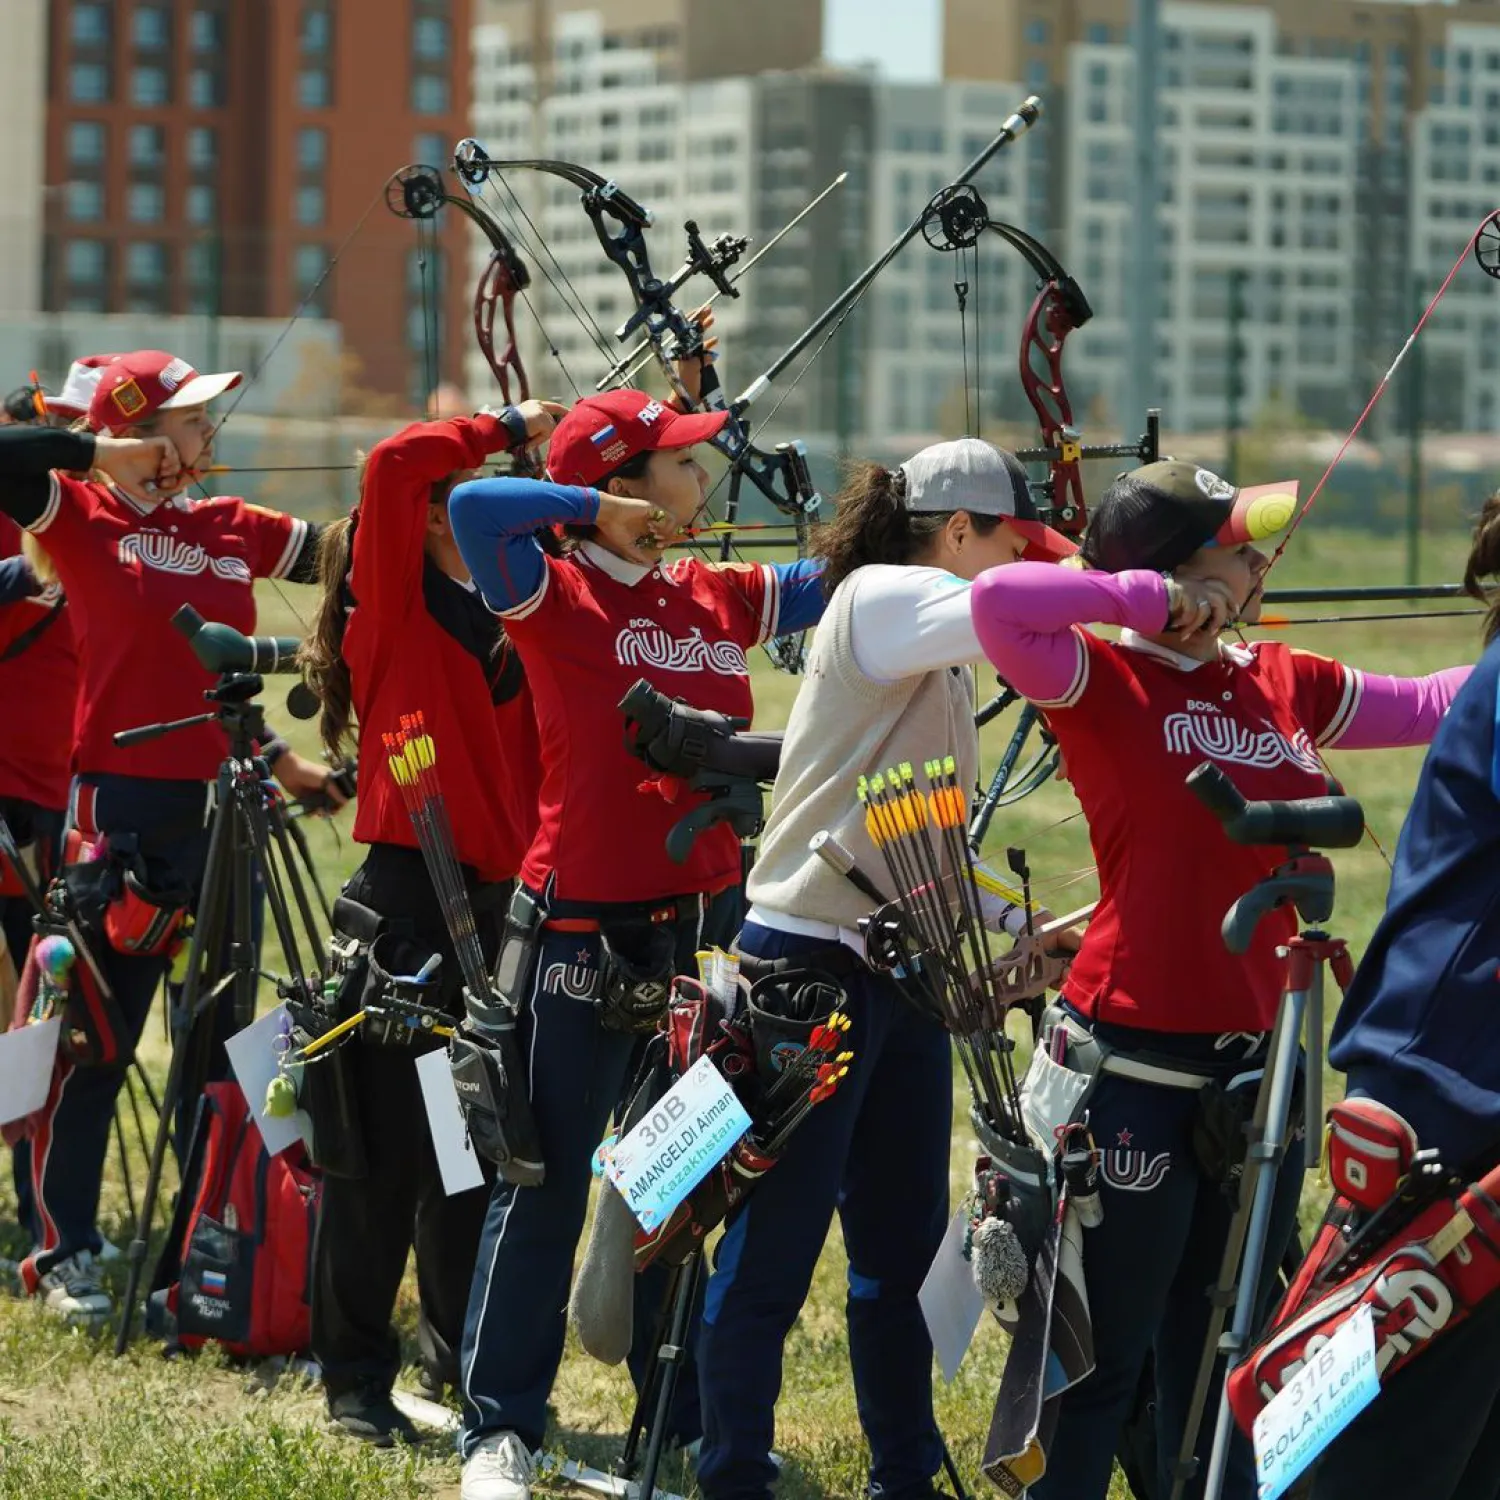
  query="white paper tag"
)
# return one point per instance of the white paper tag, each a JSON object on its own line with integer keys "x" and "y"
{"x": 1316, "y": 1404}
{"x": 456, "y": 1161}
{"x": 26, "y": 1058}
{"x": 950, "y": 1302}
{"x": 689, "y": 1131}
{"x": 252, "y": 1055}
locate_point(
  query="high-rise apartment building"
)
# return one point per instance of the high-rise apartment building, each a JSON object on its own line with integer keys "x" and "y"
{"x": 744, "y": 155}
{"x": 635, "y": 92}
{"x": 1321, "y": 163}
{"x": 210, "y": 157}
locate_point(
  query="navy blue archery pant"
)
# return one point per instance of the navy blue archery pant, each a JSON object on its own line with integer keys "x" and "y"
{"x": 577, "y": 1073}
{"x": 1434, "y": 1430}
{"x": 68, "y": 1149}
{"x": 1149, "y": 1267}
{"x": 877, "y": 1153}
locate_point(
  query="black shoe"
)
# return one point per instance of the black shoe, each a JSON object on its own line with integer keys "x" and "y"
{"x": 367, "y": 1413}
{"x": 430, "y": 1385}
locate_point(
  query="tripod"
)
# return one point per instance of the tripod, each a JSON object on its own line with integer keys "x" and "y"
{"x": 1304, "y": 880}
{"x": 249, "y": 831}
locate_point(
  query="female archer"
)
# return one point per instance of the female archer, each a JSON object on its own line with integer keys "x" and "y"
{"x": 1172, "y": 560}
{"x": 887, "y": 681}
{"x": 605, "y": 913}
{"x": 129, "y": 550}
{"x": 402, "y": 629}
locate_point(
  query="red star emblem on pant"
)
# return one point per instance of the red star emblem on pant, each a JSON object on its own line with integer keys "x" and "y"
{"x": 1123, "y": 1138}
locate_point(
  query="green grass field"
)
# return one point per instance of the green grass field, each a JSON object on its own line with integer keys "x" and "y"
{"x": 76, "y": 1423}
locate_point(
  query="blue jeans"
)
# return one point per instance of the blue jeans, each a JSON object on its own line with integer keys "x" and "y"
{"x": 577, "y": 1075}
{"x": 877, "y": 1152}
{"x": 1148, "y": 1269}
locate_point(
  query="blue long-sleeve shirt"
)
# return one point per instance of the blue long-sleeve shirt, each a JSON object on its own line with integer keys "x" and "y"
{"x": 1420, "y": 1027}
{"x": 494, "y": 521}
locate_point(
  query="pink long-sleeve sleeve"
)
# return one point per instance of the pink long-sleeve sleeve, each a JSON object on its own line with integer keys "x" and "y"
{"x": 1025, "y": 613}
{"x": 1385, "y": 712}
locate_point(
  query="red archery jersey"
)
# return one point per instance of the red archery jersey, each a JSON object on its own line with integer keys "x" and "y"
{"x": 126, "y": 571}
{"x": 1131, "y": 729}
{"x": 38, "y": 693}
{"x": 418, "y": 639}
{"x": 596, "y": 626}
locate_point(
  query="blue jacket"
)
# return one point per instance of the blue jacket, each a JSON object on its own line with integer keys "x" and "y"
{"x": 1420, "y": 1027}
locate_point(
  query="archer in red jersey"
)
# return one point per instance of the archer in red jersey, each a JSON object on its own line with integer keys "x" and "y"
{"x": 403, "y": 629}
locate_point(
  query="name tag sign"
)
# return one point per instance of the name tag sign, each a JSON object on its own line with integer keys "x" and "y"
{"x": 1316, "y": 1405}
{"x": 684, "y": 1137}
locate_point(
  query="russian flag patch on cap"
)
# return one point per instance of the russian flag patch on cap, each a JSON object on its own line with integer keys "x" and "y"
{"x": 603, "y": 435}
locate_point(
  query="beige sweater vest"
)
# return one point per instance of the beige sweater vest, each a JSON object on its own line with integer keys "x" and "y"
{"x": 844, "y": 726}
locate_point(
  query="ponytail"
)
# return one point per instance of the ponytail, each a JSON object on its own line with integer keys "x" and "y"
{"x": 871, "y": 524}
{"x": 322, "y": 653}
{"x": 1484, "y": 562}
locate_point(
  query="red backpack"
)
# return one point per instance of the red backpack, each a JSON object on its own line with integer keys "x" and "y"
{"x": 237, "y": 1267}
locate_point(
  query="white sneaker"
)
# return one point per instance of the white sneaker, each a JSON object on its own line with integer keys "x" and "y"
{"x": 72, "y": 1290}
{"x": 500, "y": 1468}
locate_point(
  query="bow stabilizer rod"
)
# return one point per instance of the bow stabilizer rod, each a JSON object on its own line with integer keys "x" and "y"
{"x": 1013, "y": 128}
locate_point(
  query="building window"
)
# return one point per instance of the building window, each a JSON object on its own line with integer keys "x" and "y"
{"x": 146, "y": 263}
{"x": 1098, "y": 35}
{"x": 431, "y": 149}
{"x": 146, "y": 203}
{"x": 205, "y": 88}
{"x": 429, "y": 94}
{"x": 317, "y": 29}
{"x": 88, "y": 83}
{"x": 149, "y": 86}
{"x": 310, "y": 205}
{"x": 429, "y": 38}
{"x": 308, "y": 264}
{"x": 151, "y": 28}
{"x": 202, "y": 147}
{"x": 90, "y": 25}
{"x": 199, "y": 203}
{"x": 85, "y": 202}
{"x": 314, "y": 90}
{"x": 312, "y": 149}
{"x": 86, "y": 142}
{"x": 85, "y": 260}
{"x": 148, "y": 146}
{"x": 1038, "y": 33}
{"x": 207, "y": 31}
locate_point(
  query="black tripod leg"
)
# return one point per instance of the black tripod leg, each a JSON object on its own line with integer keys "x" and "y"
{"x": 670, "y": 1358}
{"x": 145, "y": 1082}
{"x": 206, "y": 936}
{"x": 125, "y": 1169}
{"x": 293, "y": 829}
{"x": 649, "y": 1384}
{"x": 951, "y": 1470}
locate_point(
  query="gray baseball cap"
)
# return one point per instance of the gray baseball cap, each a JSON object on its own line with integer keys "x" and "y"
{"x": 970, "y": 474}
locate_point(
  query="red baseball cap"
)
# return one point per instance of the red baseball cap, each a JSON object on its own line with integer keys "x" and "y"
{"x": 137, "y": 386}
{"x": 602, "y": 432}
